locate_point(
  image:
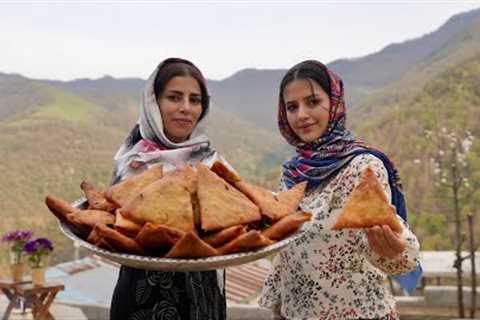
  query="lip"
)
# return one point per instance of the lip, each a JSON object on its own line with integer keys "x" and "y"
{"x": 183, "y": 121}
{"x": 306, "y": 126}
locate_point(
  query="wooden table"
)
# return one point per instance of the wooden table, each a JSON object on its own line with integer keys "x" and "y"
{"x": 39, "y": 298}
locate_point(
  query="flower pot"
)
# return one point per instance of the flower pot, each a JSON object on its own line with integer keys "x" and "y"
{"x": 38, "y": 276}
{"x": 17, "y": 270}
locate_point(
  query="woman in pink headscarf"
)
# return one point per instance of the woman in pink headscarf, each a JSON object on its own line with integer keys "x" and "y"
{"x": 330, "y": 274}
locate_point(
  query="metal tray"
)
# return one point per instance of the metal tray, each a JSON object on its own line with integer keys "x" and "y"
{"x": 169, "y": 264}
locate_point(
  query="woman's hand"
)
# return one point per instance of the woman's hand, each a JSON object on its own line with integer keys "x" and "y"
{"x": 384, "y": 242}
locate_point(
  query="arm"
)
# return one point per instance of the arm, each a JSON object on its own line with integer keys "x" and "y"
{"x": 388, "y": 251}
{"x": 381, "y": 248}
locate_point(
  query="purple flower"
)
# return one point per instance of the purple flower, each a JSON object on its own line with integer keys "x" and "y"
{"x": 17, "y": 240}
{"x": 17, "y": 235}
{"x": 36, "y": 249}
{"x": 37, "y": 245}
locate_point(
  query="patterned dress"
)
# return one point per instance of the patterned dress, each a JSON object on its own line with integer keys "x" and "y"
{"x": 333, "y": 274}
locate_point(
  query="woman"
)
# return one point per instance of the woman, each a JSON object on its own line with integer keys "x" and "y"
{"x": 175, "y": 102}
{"x": 330, "y": 274}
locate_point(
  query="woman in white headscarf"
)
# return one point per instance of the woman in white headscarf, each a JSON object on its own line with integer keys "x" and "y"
{"x": 175, "y": 103}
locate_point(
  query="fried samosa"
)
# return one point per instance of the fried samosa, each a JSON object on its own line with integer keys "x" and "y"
{"x": 166, "y": 201}
{"x": 157, "y": 236}
{"x": 287, "y": 225}
{"x": 191, "y": 246}
{"x": 368, "y": 206}
{"x": 59, "y": 207}
{"x": 89, "y": 218}
{"x": 123, "y": 192}
{"x": 223, "y": 171}
{"x": 118, "y": 240}
{"x": 223, "y": 236}
{"x": 95, "y": 198}
{"x": 221, "y": 205}
{"x": 273, "y": 206}
{"x": 125, "y": 226}
{"x": 253, "y": 239}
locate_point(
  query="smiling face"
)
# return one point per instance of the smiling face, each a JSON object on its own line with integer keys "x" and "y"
{"x": 181, "y": 106}
{"x": 307, "y": 107}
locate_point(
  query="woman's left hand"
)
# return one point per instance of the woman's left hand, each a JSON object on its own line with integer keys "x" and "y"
{"x": 385, "y": 242}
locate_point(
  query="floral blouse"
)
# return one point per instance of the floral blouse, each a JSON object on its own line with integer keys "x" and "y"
{"x": 329, "y": 274}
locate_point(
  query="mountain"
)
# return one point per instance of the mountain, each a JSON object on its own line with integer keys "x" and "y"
{"x": 107, "y": 91}
{"x": 253, "y": 93}
{"x": 389, "y": 64}
{"x": 460, "y": 47}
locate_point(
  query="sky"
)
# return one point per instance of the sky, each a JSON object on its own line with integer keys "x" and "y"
{"x": 66, "y": 40}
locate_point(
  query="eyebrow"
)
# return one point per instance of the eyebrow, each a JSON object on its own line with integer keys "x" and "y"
{"x": 181, "y": 92}
{"x": 312, "y": 95}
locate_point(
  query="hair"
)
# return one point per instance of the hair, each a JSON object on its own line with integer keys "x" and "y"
{"x": 176, "y": 67}
{"x": 306, "y": 70}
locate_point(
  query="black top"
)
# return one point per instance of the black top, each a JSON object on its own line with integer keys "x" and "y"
{"x": 145, "y": 294}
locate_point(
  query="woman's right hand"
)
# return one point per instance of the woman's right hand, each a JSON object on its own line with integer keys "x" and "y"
{"x": 385, "y": 242}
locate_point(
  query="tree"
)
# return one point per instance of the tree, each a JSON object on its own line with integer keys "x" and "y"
{"x": 453, "y": 170}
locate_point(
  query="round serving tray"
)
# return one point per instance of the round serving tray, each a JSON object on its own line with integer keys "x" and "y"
{"x": 169, "y": 264}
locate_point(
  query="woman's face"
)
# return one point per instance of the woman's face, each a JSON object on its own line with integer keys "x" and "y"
{"x": 307, "y": 107}
{"x": 181, "y": 106}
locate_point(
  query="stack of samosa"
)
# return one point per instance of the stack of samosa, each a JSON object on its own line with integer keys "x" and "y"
{"x": 187, "y": 213}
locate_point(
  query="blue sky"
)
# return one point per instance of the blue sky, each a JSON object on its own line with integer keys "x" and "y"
{"x": 67, "y": 40}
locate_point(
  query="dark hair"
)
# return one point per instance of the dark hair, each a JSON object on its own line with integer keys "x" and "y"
{"x": 174, "y": 67}
{"x": 306, "y": 70}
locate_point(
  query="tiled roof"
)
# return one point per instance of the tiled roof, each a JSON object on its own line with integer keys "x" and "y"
{"x": 244, "y": 282}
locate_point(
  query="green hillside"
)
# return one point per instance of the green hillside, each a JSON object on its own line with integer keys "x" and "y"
{"x": 461, "y": 47}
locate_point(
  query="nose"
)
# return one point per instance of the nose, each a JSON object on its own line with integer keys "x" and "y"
{"x": 302, "y": 112}
{"x": 185, "y": 105}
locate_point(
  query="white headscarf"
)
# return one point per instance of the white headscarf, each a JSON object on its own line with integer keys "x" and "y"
{"x": 150, "y": 128}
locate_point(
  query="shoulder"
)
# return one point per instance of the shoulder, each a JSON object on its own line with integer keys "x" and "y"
{"x": 363, "y": 161}
{"x": 354, "y": 171}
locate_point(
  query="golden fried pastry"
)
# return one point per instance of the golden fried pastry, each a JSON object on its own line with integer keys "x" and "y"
{"x": 253, "y": 239}
{"x": 59, "y": 207}
{"x": 368, "y": 206}
{"x": 125, "y": 226}
{"x": 157, "y": 236}
{"x": 224, "y": 172}
{"x": 118, "y": 240}
{"x": 93, "y": 237}
{"x": 274, "y": 206}
{"x": 123, "y": 192}
{"x": 99, "y": 241}
{"x": 223, "y": 236}
{"x": 89, "y": 218}
{"x": 221, "y": 205}
{"x": 96, "y": 199}
{"x": 285, "y": 226}
{"x": 167, "y": 202}
{"x": 191, "y": 246}
{"x": 186, "y": 176}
